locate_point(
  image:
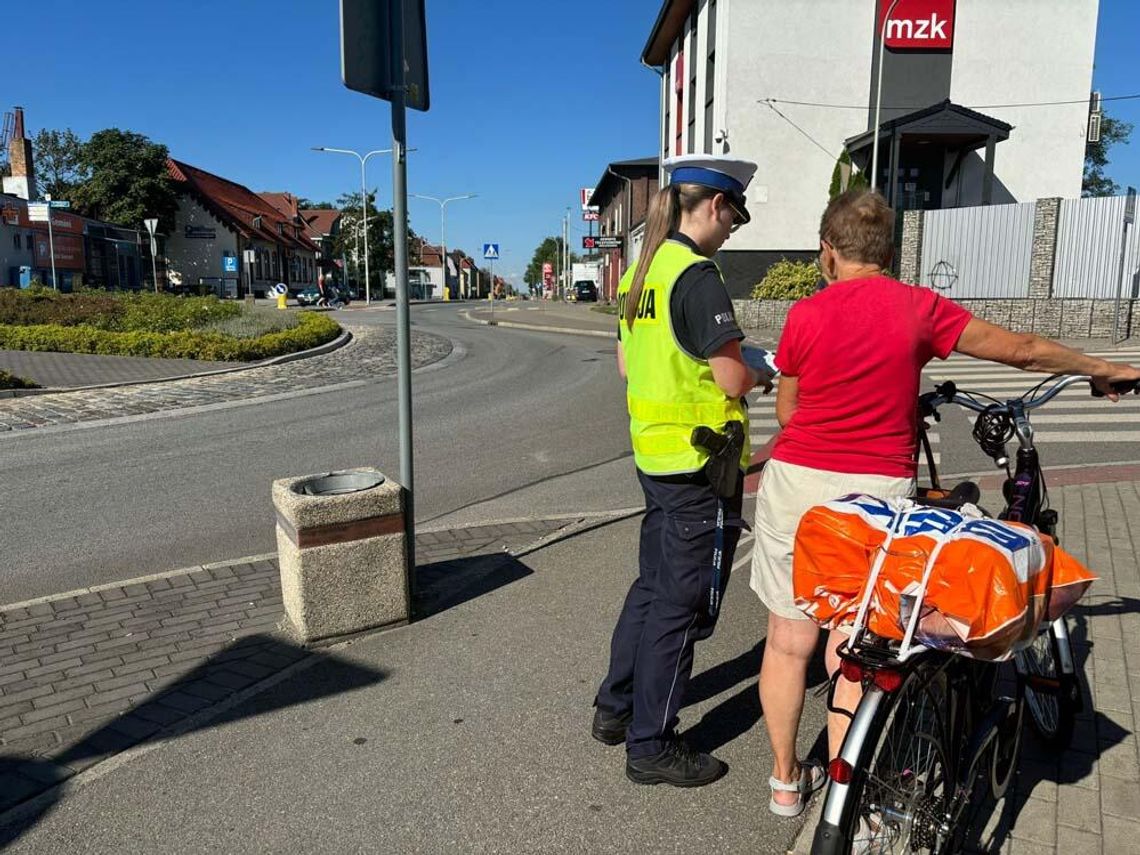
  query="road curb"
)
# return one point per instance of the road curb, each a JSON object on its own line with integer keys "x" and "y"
{"x": 539, "y": 327}
{"x": 328, "y": 347}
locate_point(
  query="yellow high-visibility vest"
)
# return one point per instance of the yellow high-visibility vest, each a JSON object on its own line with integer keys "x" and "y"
{"x": 668, "y": 391}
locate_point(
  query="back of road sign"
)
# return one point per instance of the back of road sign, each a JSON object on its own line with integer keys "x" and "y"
{"x": 366, "y": 50}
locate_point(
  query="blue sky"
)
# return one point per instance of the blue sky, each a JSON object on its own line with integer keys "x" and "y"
{"x": 530, "y": 100}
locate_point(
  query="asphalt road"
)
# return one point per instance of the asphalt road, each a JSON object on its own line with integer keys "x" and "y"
{"x": 509, "y": 413}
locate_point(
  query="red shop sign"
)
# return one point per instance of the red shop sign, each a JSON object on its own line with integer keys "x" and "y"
{"x": 918, "y": 24}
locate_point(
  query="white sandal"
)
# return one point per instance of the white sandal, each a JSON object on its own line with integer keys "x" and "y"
{"x": 812, "y": 777}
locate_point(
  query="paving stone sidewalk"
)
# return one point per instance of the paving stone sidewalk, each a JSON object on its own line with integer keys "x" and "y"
{"x": 85, "y": 677}
{"x": 370, "y": 354}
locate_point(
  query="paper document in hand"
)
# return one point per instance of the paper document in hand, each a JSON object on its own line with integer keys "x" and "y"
{"x": 760, "y": 359}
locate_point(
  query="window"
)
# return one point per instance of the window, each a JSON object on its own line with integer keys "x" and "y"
{"x": 679, "y": 96}
{"x": 692, "y": 80}
{"x": 710, "y": 78}
{"x": 16, "y": 240}
{"x": 259, "y": 254}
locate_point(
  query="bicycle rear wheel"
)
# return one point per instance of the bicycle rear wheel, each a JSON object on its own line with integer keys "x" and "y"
{"x": 902, "y": 782}
{"x": 1048, "y": 685}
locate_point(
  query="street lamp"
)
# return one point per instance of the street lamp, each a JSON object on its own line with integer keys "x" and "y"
{"x": 879, "y": 95}
{"x": 364, "y": 204}
{"x": 443, "y": 226}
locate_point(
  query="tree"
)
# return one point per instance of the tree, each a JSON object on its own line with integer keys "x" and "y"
{"x": 127, "y": 180}
{"x": 60, "y": 167}
{"x": 549, "y": 251}
{"x": 1096, "y": 183}
{"x": 855, "y": 180}
{"x": 381, "y": 248}
{"x": 309, "y": 205}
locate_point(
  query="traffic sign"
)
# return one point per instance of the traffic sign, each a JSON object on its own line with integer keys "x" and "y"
{"x": 151, "y": 225}
{"x": 491, "y": 251}
{"x": 39, "y": 212}
{"x": 279, "y": 290}
{"x": 229, "y": 264}
{"x": 59, "y": 203}
{"x": 1130, "y": 207}
{"x": 366, "y": 63}
{"x": 602, "y": 242}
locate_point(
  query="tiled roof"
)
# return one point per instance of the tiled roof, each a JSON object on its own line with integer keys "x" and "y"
{"x": 321, "y": 221}
{"x": 237, "y": 206}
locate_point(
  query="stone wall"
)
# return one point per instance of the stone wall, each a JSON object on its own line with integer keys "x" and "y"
{"x": 1073, "y": 319}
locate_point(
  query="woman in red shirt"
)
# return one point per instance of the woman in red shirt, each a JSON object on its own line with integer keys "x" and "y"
{"x": 851, "y": 358}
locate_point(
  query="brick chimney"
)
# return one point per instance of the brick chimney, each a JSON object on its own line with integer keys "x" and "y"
{"x": 22, "y": 182}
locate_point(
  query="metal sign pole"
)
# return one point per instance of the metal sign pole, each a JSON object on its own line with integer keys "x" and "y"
{"x": 1129, "y": 216}
{"x": 400, "y": 238}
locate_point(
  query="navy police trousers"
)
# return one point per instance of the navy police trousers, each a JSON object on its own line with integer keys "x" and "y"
{"x": 667, "y": 609}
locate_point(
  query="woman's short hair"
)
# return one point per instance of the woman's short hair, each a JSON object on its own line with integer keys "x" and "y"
{"x": 860, "y": 225}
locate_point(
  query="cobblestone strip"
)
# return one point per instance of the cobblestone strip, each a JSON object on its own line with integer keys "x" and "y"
{"x": 85, "y": 677}
{"x": 371, "y": 354}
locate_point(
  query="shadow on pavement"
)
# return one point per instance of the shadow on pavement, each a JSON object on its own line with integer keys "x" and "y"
{"x": 740, "y": 713}
{"x": 24, "y": 778}
{"x": 446, "y": 584}
{"x": 1095, "y": 733}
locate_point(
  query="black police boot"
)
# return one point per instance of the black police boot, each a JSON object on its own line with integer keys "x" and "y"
{"x": 610, "y": 728}
{"x": 679, "y": 765}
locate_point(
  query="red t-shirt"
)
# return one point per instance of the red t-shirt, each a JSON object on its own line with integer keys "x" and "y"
{"x": 858, "y": 348}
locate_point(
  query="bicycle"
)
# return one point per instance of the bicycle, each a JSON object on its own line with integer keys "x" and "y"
{"x": 930, "y": 739}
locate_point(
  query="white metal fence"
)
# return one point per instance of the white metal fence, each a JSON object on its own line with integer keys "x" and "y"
{"x": 978, "y": 252}
{"x": 1087, "y": 263}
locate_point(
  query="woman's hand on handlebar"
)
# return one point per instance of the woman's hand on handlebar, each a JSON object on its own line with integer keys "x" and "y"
{"x": 1115, "y": 379}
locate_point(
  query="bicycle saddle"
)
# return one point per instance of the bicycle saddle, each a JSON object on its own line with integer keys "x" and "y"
{"x": 965, "y": 493}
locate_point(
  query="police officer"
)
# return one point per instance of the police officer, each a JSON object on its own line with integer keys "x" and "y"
{"x": 679, "y": 352}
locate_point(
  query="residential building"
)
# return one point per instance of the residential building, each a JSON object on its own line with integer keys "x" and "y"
{"x": 622, "y": 197}
{"x": 323, "y": 229}
{"x": 982, "y": 102}
{"x": 217, "y": 222}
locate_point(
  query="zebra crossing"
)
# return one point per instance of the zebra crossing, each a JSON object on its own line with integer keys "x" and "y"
{"x": 1072, "y": 418}
{"x": 764, "y": 426}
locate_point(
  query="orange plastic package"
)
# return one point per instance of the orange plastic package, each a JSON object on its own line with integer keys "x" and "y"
{"x": 989, "y": 584}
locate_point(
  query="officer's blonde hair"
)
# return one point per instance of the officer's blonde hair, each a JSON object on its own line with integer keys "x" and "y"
{"x": 664, "y": 217}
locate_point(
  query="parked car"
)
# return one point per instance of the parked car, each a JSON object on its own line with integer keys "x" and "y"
{"x": 309, "y": 297}
{"x": 585, "y": 291}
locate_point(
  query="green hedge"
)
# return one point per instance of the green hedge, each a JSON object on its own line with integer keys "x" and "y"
{"x": 788, "y": 280}
{"x": 11, "y": 381}
{"x": 112, "y": 311}
{"x": 311, "y": 331}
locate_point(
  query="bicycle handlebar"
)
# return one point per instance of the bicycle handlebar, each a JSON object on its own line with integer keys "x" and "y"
{"x": 947, "y": 393}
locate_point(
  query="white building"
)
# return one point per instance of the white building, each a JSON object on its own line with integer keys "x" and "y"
{"x": 791, "y": 83}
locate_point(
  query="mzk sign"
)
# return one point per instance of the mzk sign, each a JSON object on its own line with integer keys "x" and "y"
{"x": 918, "y": 24}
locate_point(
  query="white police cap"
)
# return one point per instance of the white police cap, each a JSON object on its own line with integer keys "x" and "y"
{"x": 730, "y": 175}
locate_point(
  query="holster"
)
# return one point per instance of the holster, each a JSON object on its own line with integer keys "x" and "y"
{"x": 723, "y": 449}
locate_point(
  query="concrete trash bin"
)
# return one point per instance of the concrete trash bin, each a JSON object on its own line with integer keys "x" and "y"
{"x": 341, "y": 547}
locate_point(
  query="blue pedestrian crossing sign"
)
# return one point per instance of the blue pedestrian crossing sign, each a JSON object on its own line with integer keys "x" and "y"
{"x": 491, "y": 251}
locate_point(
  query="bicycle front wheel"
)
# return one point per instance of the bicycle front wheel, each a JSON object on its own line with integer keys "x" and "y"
{"x": 1049, "y": 686}
{"x": 899, "y": 796}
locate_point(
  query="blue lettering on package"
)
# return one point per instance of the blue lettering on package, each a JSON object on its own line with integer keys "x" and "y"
{"x": 1003, "y": 535}
{"x": 934, "y": 519}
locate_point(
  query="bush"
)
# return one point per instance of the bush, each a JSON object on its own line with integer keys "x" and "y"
{"x": 311, "y": 330}
{"x": 788, "y": 280}
{"x": 11, "y": 381}
{"x": 117, "y": 312}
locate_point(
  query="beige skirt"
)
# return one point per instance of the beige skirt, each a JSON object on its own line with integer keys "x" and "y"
{"x": 787, "y": 491}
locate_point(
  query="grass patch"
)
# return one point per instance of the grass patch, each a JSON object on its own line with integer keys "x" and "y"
{"x": 11, "y": 381}
{"x": 255, "y": 322}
